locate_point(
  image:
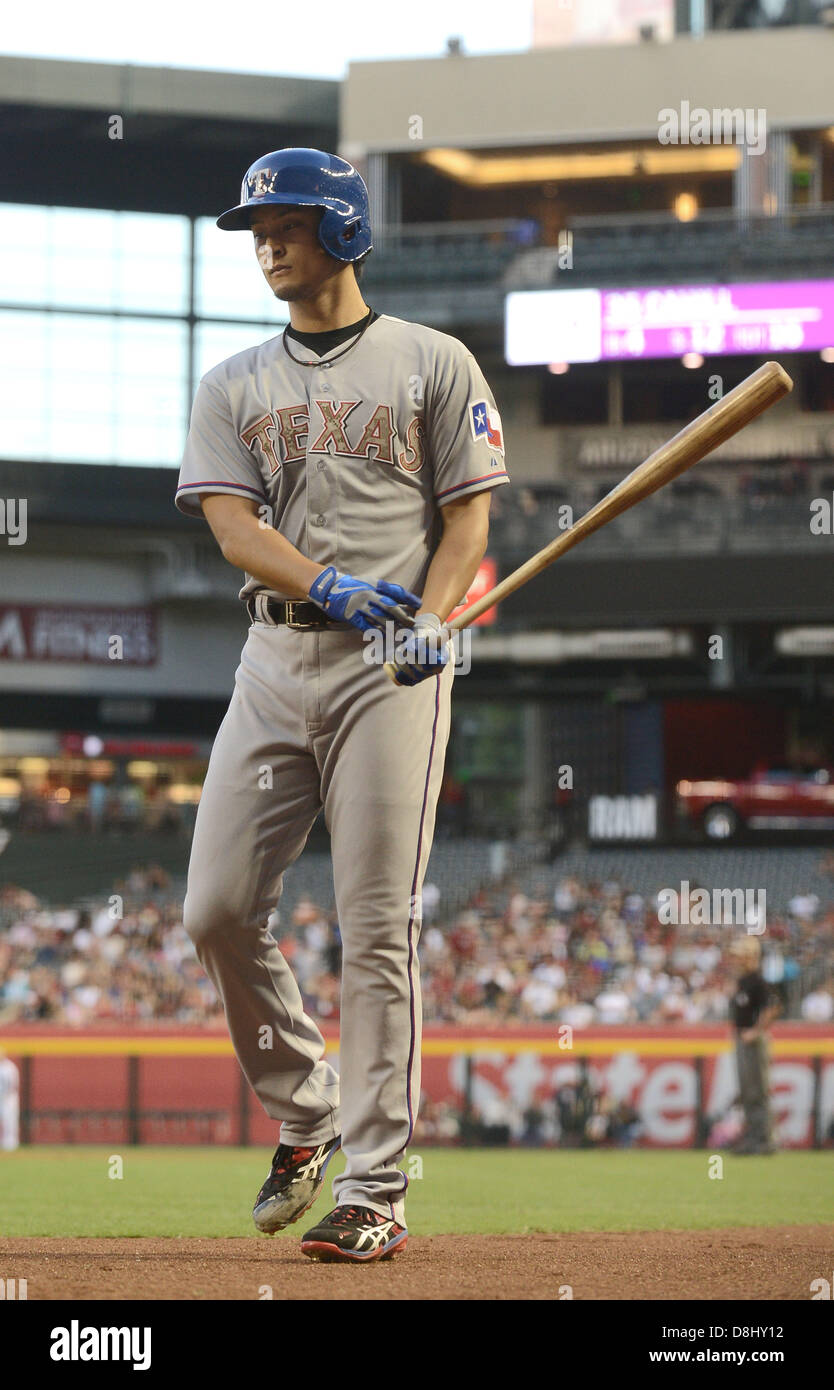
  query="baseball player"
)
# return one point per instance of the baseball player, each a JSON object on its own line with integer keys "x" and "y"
{"x": 345, "y": 466}
{"x": 9, "y": 1104}
{"x": 752, "y": 1010}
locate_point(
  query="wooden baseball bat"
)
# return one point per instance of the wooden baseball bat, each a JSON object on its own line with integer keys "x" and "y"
{"x": 757, "y": 393}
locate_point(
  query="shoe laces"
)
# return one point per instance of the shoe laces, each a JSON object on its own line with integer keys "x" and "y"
{"x": 286, "y": 1156}
{"x": 343, "y": 1216}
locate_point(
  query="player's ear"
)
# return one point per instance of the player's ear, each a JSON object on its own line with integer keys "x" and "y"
{"x": 359, "y": 266}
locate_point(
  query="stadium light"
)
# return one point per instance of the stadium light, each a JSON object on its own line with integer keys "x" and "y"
{"x": 692, "y": 359}
{"x": 34, "y": 767}
{"x": 550, "y": 648}
{"x": 479, "y": 171}
{"x": 141, "y": 768}
{"x": 804, "y": 641}
{"x": 827, "y": 354}
{"x": 558, "y": 368}
{"x": 686, "y": 207}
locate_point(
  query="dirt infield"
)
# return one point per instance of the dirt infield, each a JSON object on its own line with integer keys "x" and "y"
{"x": 777, "y": 1262}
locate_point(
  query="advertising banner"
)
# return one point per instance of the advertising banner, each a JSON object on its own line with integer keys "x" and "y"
{"x": 183, "y": 1086}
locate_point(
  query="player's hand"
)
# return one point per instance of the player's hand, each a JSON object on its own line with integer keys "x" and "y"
{"x": 423, "y": 652}
{"x": 365, "y": 603}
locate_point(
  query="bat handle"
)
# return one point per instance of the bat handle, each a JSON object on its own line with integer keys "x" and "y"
{"x": 391, "y": 672}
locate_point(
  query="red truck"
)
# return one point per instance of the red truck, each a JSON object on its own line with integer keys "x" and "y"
{"x": 771, "y": 798}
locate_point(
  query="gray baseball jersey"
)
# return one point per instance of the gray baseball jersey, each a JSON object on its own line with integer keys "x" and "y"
{"x": 354, "y": 461}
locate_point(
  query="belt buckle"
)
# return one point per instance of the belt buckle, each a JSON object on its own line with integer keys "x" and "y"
{"x": 291, "y": 606}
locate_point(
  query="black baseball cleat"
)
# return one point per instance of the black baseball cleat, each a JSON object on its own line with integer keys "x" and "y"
{"x": 295, "y": 1181}
{"x": 354, "y": 1234}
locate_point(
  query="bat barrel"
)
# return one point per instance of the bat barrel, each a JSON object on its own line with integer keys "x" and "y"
{"x": 757, "y": 393}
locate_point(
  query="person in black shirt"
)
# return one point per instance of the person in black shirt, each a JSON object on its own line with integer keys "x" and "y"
{"x": 752, "y": 1010}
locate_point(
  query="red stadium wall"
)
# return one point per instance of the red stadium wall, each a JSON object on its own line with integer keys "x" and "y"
{"x": 179, "y": 1086}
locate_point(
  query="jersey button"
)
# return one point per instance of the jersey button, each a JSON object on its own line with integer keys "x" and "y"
{"x": 321, "y": 465}
{"x": 321, "y": 520}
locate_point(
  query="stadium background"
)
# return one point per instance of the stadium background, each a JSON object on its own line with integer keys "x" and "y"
{"x": 594, "y": 691}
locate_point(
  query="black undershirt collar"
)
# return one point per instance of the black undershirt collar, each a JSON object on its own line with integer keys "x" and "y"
{"x": 323, "y": 343}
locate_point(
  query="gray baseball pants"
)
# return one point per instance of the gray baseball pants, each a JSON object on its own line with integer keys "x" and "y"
{"x": 310, "y": 724}
{"x": 754, "y": 1088}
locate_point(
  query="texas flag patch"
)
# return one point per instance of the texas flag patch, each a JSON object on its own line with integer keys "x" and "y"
{"x": 486, "y": 424}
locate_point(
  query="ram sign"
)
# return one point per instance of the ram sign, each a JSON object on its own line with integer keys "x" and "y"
{"x": 622, "y": 817}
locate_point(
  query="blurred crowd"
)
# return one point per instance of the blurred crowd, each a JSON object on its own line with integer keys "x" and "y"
{"x": 592, "y": 953}
{"x": 125, "y": 959}
{"x": 579, "y": 954}
{"x": 526, "y": 517}
{"x": 105, "y": 808}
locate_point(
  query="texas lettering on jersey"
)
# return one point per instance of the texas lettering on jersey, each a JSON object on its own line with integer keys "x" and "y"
{"x": 356, "y": 466}
{"x": 281, "y": 436}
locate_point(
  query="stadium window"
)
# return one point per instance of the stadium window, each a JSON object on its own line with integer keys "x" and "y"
{"x": 151, "y": 392}
{"x": 666, "y": 390}
{"x": 215, "y": 341}
{"x": 152, "y": 263}
{"x": 93, "y": 388}
{"x": 23, "y": 379}
{"x": 816, "y": 383}
{"x": 577, "y": 397}
{"x": 24, "y": 258}
{"x": 84, "y": 258}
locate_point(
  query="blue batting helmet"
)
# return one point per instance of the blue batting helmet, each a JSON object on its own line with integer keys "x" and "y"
{"x": 309, "y": 178}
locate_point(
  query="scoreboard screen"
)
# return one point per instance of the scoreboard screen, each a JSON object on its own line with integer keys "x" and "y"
{"x": 621, "y": 325}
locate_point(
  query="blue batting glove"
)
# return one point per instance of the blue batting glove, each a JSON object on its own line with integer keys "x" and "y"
{"x": 423, "y": 652}
{"x": 365, "y": 603}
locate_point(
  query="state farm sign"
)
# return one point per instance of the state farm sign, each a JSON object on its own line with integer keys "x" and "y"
{"x": 69, "y": 632}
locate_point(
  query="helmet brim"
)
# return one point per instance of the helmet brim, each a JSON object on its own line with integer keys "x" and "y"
{"x": 239, "y": 219}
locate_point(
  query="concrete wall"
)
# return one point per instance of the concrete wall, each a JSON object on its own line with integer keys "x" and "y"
{"x": 587, "y": 93}
{"x": 199, "y": 638}
{"x": 123, "y": 87}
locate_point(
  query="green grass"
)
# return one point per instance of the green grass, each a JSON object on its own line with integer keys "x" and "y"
{"x": 66, "y": 1191}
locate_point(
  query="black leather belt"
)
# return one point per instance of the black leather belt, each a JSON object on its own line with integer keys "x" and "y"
{"x": 298, "y": 614}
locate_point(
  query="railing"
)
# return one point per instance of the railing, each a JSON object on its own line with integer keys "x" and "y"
{"x": 816, "y": 214}
{"x": 523, "y": 230}
{"x": 668, "y": 524}
{"x": 507, "y": 253}
{"x": 460, "y": 253}
{"x": 509, "y": 231}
